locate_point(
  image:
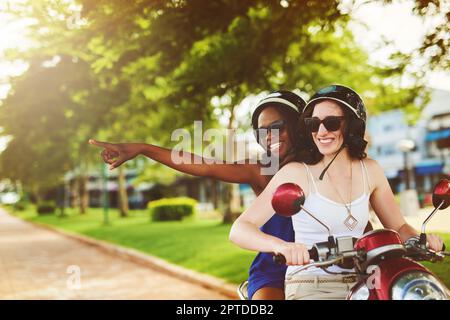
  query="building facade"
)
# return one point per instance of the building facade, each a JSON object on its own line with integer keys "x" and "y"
{"x": 429, "y": 160}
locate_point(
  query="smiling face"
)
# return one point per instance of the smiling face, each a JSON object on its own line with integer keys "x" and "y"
{"x": 328, "y": 142}
{"x": 267, "y": 117}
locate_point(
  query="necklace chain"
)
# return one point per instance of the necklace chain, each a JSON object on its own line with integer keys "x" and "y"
{"x": 350, "y": 222}
{"x": 349, "y": 208}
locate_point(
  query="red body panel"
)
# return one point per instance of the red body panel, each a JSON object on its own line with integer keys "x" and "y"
{"x": 378, "y": 238}
{"x": 391, "y": 270}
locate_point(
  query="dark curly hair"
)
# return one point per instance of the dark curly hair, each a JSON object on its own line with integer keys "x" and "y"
{"x": 353, "y": 137}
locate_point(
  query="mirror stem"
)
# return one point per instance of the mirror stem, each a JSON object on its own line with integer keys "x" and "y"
{"x": 423, "y": 236}
{"x": 431, "y": 215}
{"x": 312, "y": 216}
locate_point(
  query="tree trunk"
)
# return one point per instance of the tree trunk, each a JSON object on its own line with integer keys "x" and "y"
{"x": 75, "y": 193}
{"x": 214, "y": 193}
{"x": 123, "y": 196}
{"x": 84, "y": 194}
{"x": 227, "y": 208}
{"x": 230, "y": 191}
{"x": 37, "y": 195}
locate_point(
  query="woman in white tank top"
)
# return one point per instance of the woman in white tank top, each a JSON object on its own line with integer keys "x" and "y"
{"x": 334, "y": 119}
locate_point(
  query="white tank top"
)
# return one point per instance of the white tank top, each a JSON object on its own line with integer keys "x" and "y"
{"x": 308, "y": 231}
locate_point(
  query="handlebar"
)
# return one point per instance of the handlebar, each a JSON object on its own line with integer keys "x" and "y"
{"x": 413, "y": 250}
{"x": 418, "y": 253}
{"x": 280, "y": 259}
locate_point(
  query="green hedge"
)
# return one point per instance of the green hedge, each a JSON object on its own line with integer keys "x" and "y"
{"x": 169, "y": 209}
{"x": 46, "y": 208}
{"x": 20, "y": 205}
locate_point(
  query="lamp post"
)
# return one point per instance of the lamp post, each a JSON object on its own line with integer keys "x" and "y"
{"x": 409, "y": 201}
{"x": 406, "y": 146}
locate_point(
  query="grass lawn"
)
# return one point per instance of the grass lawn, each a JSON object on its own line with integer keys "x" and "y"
{"x": 442, "y": 269}
{"x": 201, "y": 245}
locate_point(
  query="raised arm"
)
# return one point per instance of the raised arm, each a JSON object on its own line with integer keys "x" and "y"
{"x": 383, "y": 202}
{"x": 245, "y": 231}
{"x": 117, "y": 153}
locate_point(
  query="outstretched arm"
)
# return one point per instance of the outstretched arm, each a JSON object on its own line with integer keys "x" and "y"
{"x": 116, "y": 154}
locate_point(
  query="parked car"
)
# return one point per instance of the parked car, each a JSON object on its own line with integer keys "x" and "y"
{"x": 9, "y": 197}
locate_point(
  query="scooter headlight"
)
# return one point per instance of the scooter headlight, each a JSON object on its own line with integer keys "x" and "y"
{"x": 418, "y": 286}
{"x": 360, "y": 293}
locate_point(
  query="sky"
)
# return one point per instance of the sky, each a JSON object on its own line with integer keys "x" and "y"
{"x": 397, "y": 23}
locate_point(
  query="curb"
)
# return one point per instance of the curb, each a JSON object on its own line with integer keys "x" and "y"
{"x": 155, "y": 263}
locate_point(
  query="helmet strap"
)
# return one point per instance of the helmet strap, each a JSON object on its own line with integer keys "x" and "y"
{"x": 329, "y": 164}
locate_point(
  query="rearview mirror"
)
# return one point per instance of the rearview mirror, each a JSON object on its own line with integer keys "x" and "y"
{"x": 441, "y": 194}
{"x": 288, "y": 199}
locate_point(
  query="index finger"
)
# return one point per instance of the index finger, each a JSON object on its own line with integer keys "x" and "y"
{"x": 99, "y": 143}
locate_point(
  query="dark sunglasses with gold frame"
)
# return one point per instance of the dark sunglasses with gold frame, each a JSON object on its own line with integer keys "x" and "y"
{"x": 331, "y": 123}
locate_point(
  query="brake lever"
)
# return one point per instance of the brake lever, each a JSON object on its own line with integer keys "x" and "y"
{"x": 419, "y": 254}
{"x": 318, "y": 265}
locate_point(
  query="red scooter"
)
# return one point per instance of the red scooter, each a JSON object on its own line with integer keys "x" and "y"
{"x": 386, "y": 268}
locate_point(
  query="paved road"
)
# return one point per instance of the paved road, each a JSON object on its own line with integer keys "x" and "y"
{"x": 34, "y": 264}
{"x": 439, "y": 223}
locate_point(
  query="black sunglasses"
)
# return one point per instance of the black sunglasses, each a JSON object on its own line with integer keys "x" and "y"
{"x": 331, "y": 123}
{"x": 276, "y": 125}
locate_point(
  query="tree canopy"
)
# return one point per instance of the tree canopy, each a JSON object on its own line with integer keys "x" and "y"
{"x": 137, "y": 70}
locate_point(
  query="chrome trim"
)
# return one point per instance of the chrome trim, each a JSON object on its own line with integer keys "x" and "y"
{"x": 345, "y": 243}
{"x": 322, "y": 251}
{"x": 430, "y": 216}
{"x": 357, "y": 290}
{"x": 242, "y": 290}
{"x": 431, "y": 278}
{"x": 380, "y": 250}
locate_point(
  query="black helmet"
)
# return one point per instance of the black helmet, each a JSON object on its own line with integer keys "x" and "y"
{"x": 283, "y": 99}
{"x": 343, "y": 95}
{"x": 356, "y": 126}
{"x": 348, "y": 98}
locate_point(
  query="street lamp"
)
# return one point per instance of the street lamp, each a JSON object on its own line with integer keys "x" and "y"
{"x": 406, "y": 146}
{"x": 409, "y": 203}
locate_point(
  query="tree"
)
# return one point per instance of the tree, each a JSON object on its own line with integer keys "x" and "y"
{"x": 156, "y": 65}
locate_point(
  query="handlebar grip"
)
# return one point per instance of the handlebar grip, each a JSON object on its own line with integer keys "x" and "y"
{"x": 280, "y": 259}
{"x": 313, "y": 254}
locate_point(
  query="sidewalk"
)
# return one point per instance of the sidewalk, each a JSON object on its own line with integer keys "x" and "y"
{"x": 40, "y": 264}
{"x": 439, "y": 223}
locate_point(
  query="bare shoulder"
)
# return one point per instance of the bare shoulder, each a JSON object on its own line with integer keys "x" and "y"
{"x": 291, "y": 172}
{"x": 372, "y": 165}
{"x": 375, "y": 170}
{"x": 293, "y": 167}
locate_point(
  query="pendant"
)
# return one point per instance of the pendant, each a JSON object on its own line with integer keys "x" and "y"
{"x": 350, "y": 222}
